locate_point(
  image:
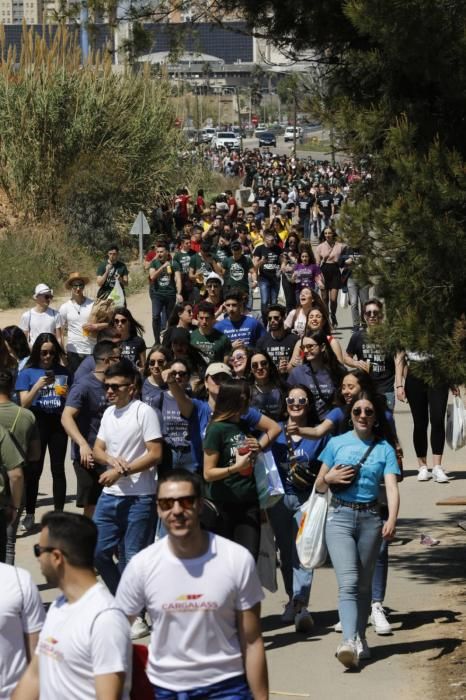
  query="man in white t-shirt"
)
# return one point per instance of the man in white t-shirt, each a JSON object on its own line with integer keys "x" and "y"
{"x": 203, "y": 596}
{"x": 129, "y": 445}
{"x": 21, "y": 618}
{"x": 84, "y": 649}
{"x": 41, "y": 318}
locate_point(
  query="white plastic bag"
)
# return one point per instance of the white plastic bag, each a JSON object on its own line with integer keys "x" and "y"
{"x": 268, "y": 482}
{"x": 117, "y": 294}
{"x": 310, "y": 540}
{"x": 267, "y": 561}
{"x": 281, "y": 299}
{"x": 343, "y": 299}
{"x": 456, "y": 424}
{"x": 252, "y": 197}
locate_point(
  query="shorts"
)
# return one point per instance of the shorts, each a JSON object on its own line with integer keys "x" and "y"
{"x": 332, "y": 275}
{"x": 88, "y": 488}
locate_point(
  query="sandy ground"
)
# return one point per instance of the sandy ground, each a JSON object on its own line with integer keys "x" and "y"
{"x": 424, "y": 657}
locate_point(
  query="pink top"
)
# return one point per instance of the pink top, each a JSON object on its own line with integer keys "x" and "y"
{"x": 326, "y": 253}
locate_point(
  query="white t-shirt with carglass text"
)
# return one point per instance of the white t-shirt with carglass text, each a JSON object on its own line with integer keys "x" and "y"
{"x": 21, "y": 612}
{"x": 192, "y": 604}
{"x": 125, "y": 432}
{"x": 81, "y": 640}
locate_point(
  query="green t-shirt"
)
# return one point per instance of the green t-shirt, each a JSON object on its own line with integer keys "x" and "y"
{"x": 165, "y": 285}
{"x": 10, "y": 458}
{"x": 236, "y": 272}
{"x": 117, "y": 268}
{"x": 212, "y": 347}
{"x": 224, "y": 438}
{"x": 183, "y": 260}
{"x": 199, "y": 265}
{"x": 24, "y": 422}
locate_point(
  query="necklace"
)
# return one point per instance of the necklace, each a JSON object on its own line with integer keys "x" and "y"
{"x": 77, "y": 306}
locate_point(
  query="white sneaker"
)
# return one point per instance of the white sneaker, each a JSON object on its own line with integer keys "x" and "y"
{"x": 139, "y": 629}
{"x": 289, "y": 613}
{"x": 423, "y": 474}
{"x": 27, "y": 524}
{"x": 439, "y": 475}
{"x": 303, "y": 621}
{"x": 338, "y": 627}
{"x": 347, "y": 654}
{"x": 362, "y": 649}
{"x": 379, "y": 621}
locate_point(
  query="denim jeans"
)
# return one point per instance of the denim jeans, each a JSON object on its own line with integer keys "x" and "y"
{"x": 269, "y": 289}
{"x": 158, "y": 305}
{"x": 284, "y": 518}
{"x": 353, "y": 540}
{"x": 183, "y": 459}
{"x": 124, "y": 523}
{"x": 379, "y": 582}
{"x": 357, "y": 296}
{"x": 232, "y": 689}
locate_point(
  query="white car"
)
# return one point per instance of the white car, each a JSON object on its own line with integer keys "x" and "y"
{"x": 226, "y": 139}
{"x": 289, "y": 133}
{"x": 207, "y": 134}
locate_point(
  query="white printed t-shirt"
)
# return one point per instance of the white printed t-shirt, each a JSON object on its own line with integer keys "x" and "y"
{"x": 125, "y": 432}
{"x": 33, "y": 323}
{"x": 21, "y": 612}
{"x": 192, "y": 604}
{"x": 74, "y": 316}
{"x": 82, "y": 640}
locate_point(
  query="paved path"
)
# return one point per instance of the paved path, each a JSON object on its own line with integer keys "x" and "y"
{"x": 422, "y": 592}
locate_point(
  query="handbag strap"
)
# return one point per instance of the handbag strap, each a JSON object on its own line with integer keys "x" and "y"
{"x": 366, "y": 454}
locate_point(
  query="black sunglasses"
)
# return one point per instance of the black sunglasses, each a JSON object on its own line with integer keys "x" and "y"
{"x": 186, "y": 502}
{"x": 360, "y": 411}
{"x": 38, "y": 550}
{"x": 262, "y": 364}
{"x": 114, "y": 387}
{"x": 152, "y": 363}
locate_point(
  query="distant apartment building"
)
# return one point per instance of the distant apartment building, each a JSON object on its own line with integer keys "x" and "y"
{"x": 14, "y": 11}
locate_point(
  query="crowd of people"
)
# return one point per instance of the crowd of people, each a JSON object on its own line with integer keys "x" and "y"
{"x": 165, "y": 440}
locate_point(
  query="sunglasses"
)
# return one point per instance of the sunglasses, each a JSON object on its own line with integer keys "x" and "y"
{"x": 153, "y": 363}
{"x": 311, "y": 346}
{"x": 77, "y": 286}
{"x": 372, "y": 314}
{"x": 181, "y": 373}
{"x": 47, "y": 296}
{"x": 38, "y": 550}
{"x": 290, "y": 401}
{"x": 274, "y": 318}
{"x": 115, "y": 387}
{"x": 240, "y": 356}
{"x": 363, "y": 412}
{"x": 120, "y": 321}
{"x": 50, "y": 353}
{"x": 186, "y": 502}
{"x": 262, "y": 364}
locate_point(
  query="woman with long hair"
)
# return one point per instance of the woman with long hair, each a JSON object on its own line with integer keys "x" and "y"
{"x": 17, "y": 344}
{"x": 240, "y": 362}
{"x": 328, "y": 256}
{"x": 353, "y": 465}
{"x": 267, "y": 387}
{"x": 157, "y": 360}
{"x": 131, "y": 332}
{"x": 297, "y": 462}
{"x": 297, "y": 320}
{"x": 307, "y": 273}
{"x": 180, "y": 317}
{"x": 42, "y": 386}
{"x": 317, "y": 320}
{"x": 228, "y": 467}
{"x": 320, "y": 371}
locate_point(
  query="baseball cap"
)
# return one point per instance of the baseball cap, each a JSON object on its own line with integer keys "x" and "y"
{"x": 42, "y": 289}
{"x": 217, "y": 368}
{"x": 213, "y": 276}
{"x": 236, "y": 245}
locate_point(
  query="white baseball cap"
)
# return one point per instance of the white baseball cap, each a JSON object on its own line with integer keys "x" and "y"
{"x": 42, "y": 289}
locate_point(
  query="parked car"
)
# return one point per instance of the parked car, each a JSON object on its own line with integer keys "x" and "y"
{"x": 267, "y": 138}
{"x": 226, "y": 139}
{"x": 260, "y": 128}
{"x": 207, "y": 134}
{"x": 289, "y": 133}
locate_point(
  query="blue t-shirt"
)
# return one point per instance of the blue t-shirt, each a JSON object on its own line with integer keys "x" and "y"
{"x": 151, "y": 394}
{"x": 320, "y": 383}
{"x": 271, "y": 402}
{"x": 204, "y": 414}
{"x": 247, "y": 329}
{"x": 86, "y": 366}
{"x": 48, "y": 399}
{"x": 90, "y": 398}
{"x": 305, "y": 450}
{"x": 179, "y": 431}
{"x": 349, "y": 449}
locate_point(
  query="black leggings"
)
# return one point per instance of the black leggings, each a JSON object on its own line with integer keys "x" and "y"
{"x": 53, "y": 436}
{"x": 427, "y": 402}
{"x": 241, "y": 524}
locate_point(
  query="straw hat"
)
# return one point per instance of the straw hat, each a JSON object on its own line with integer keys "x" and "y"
{"x": 74, "y": 277}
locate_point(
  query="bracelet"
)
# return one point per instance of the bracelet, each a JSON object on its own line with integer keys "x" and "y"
{"x": 400, "y": 386}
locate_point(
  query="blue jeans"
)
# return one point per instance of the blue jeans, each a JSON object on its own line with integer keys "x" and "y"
{"x": 183, "y": 459}
{"x": 284, "y": 518}
{"x": 158, "y": 305}
{"x": 232, "y": 689}
{"x": 357, "y": 295}
{"x": 124, "y": 523}
{"x": 379, "y": 582}
{"x": 269, "y": 289}
{"x": 353, "y": 541}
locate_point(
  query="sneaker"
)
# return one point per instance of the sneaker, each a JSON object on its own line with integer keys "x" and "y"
{"x": 439, "y": 475}
{"x": 27, "y": 523}
{"x": 289, "y": 613}
{"x": 379, "y": 621}
{"x": 334, "y": 320}
{"x": 139, "y": 628}
{"x": 423, "y": 474}
{"x": 347, "y": 654}
{"x": 362, "y": 649}
{"x": 303, "y": 621}
{"x": 338, "y": 627}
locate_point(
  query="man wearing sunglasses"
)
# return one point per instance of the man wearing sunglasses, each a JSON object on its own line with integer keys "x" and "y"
{"x": 128, "y": 445}
{"x": 84, "y": 647}
{"x": 41, "y": 318}
{"x": 363, "y": 353}
{"x": 199, "y": 587}
{"x": 279, "y": 341}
